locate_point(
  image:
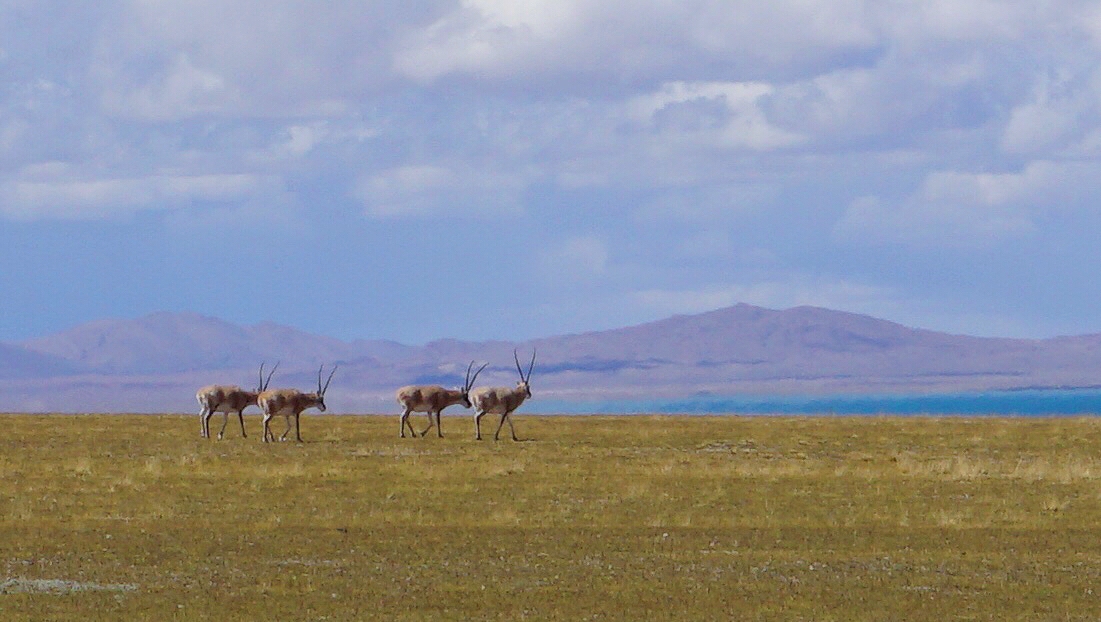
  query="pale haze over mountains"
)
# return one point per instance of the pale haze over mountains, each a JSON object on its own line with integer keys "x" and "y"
{"x": 155, "y": 363}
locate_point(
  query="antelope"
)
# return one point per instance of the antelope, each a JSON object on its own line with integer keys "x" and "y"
{"x": 501, "y": 400}
{"x": 228, "y": 399}
{"x": 432, "y": 399}
{"x": 290, "y": 403}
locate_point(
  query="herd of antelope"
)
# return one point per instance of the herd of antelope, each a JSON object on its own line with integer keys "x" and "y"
{"x": 428, "y": 399}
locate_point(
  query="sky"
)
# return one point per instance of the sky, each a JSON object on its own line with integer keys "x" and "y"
{"x": 510, "y": 169}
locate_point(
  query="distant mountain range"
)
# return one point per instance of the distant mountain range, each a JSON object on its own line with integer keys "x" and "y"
{"x": 155, "y": 363}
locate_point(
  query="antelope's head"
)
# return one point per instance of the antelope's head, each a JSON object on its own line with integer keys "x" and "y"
{"x": 523, "y": 385}
{"x": 321, "y": 389}
{"x": 469, "y": 383}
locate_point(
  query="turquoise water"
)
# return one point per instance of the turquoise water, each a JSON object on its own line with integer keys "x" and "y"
{"x": 1040, "y": 402}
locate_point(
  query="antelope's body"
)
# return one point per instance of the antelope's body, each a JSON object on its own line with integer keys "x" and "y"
{"x": 501, "y": 401}
{"x": 224, "y": 399}
{"x": 427, "y": 399}
{"x": 432, "y": 399}
{"x": 289, "y": 403}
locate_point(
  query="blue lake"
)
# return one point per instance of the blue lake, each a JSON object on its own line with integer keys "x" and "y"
{"x": 1041, "y": 402}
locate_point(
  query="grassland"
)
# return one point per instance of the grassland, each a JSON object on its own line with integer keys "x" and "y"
{"x": 610, "y": 518}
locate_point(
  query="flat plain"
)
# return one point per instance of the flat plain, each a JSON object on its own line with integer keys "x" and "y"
{"x": 112, "y": 517}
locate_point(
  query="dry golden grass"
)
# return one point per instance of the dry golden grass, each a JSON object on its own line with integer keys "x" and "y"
{"x": 136, "y": 517}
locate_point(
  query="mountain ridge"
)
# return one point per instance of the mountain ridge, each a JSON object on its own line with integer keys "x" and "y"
{"x": 153, "y": 363}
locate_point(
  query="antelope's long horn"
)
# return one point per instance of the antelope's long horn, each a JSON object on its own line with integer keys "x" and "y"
{"x": 519, "y": 370}
{"x": 470, "y": 383}
{"x": 330, "y": 379}
{"x": 466, "y": 383}
{"x": 267, "y": 382}
{"x": 262, "y": 375}
{"x": 531, "y": 365}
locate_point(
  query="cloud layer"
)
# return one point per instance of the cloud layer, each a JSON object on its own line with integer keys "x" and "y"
{"x": 557, "y": 165}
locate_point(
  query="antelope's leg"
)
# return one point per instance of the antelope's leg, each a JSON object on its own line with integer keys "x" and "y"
{"x": 512, "y": 429}
{"x": 285, "y": 432}
{"x": 478, "y": 425}
{"x": 500, "y": 425}
{"x": 297, "y": 429}
{"x": 405, "y": 422}
{"x": 430, "y": 424}
{"x": 267, "y": 428}
{"x": 439, "y": 426}
{"x": 241, "y": 416}
{"x": 225, "y": 420}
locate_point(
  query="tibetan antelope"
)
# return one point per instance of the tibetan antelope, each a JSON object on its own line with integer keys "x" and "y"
{"x": 501, "y": 400}
{"x": 289, "y": 403}
{"x": 432, "y": 399}
{"x": 227, "y": 399}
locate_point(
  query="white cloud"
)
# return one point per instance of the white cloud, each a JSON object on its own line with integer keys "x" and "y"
{"x": 948, "y": 21}
{"x": 973, "y": 210}
{"x": 301, "y": 139}
{"x": 720, "y": 114}
{"x": 920, "y": 224}
{"x": 718, "y": 203}
{"x": 579, "y": 260}
{"x": 183, "y": 90}
{"x": 297, "y": 141}
{"x": 488, "y": 36}
{"x": 533, "y": 38}
{"x": 433, "y": 190}
{"x": 709, "y": 243}
{"x": 258, "y": 218}
{"x": 52, "y": 192}
{"x": 177, "y": 59}
{"x": 407, "y": 190}
{"x": 1054, "y": 116}
{"x": 13, "y": 132}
